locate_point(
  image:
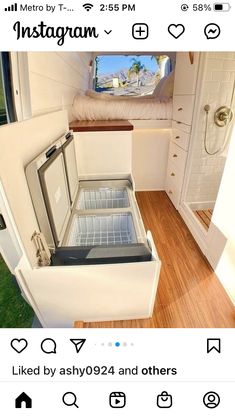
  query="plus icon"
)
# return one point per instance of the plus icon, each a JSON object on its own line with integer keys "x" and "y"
{"x": 140, "y": 31}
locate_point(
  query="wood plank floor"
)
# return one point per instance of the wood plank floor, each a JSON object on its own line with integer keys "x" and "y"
{"x": 189, "y": 293}
{"x": 204, "y": 217}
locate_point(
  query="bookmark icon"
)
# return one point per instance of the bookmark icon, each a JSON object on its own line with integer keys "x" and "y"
{"x": 213, "y": 344}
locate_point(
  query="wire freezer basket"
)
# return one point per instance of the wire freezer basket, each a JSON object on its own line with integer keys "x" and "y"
{"x": 103, "y": 198}
{"x": 102, "y": 230}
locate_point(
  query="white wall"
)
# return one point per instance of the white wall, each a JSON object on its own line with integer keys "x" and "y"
{"x": 224, "y": 219}
{"x": 55, "y": 78}
{"x": 217, "y": 91}
{"x": 149, "y": 158}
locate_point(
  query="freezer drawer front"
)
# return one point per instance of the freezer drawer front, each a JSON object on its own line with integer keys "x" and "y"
{"x": 65, "y": 294}
{"x": 61, "y": 295}
{"x": 111, "y": 254}
{"x": 55, "y": 191}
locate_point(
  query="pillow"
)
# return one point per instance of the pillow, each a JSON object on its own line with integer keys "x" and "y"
{"x": 157, "y": 91}
{"x": 167, "y": 85}
{"x": 103, "y": 96}
{"x": 97, "y": 95}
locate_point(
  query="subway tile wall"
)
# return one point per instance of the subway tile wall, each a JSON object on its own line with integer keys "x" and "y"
{"x": 217, "y": 89}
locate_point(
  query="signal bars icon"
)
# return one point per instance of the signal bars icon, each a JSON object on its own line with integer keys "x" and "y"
{"x": 87, "y": 6}
{"x": 12, "y": 8}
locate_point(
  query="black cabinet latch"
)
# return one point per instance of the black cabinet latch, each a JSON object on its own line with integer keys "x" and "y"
{"x": 2, "y": 223}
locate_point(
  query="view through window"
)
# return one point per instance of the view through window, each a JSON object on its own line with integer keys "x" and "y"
{"x": 3, "y": 113}
{"x": 129, "y": 75}
{"x": 7, "y": 107}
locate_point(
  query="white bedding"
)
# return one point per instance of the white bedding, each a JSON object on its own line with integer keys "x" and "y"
{"x": 95, "y": 108}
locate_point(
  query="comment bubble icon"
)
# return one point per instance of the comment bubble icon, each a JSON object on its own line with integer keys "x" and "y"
{"x": 48, "y": 346}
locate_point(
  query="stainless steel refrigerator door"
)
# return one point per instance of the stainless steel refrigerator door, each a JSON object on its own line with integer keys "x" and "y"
{"x": 55, "y": 191}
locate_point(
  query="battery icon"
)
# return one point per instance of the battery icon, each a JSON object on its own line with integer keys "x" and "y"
{"x": 222, "y": 7}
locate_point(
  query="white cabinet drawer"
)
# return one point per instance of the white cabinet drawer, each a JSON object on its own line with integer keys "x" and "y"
{"x": 173, "y": 192}
{"x": 181, "y": 126}
{"x": 175, "y": 174}
{"x": 177, "y": 156}
{"x": 183, "y": 108}
{"x": 186, "y": 83}
{"x": 180, "y": 138}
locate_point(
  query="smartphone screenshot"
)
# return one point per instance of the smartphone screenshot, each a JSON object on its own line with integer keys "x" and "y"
{"x": 117, "y": 230}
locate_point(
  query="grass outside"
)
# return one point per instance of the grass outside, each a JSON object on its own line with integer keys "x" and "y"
{"x": 14, "y": 311}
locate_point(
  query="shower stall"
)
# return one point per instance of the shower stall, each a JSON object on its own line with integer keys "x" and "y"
{"x": 211, "y": 136}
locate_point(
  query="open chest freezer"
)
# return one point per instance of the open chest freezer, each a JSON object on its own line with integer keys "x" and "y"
{"x": 79, "y": 195}
{"x": 84, "y": 221}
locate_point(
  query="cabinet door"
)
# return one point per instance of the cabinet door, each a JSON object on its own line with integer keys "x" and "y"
{"x": 183, "y": 108}
{"x": 174, "y": 181}
{"x": 186, "y": 73}
{"x": 175, "y": 174}
{"x": 180, "y": 137}
{"x": 103, "y": 153}
{"x": 177, "y": 156}
{"x": 173, "y": 192}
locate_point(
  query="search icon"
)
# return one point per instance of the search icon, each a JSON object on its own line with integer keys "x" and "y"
{"x": 70, "y": 399}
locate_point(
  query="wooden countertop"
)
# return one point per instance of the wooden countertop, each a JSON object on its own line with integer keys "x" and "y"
{"x": 100, "y": 125}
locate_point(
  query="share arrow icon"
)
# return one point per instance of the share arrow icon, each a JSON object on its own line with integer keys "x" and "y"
{"x": 78, "y": 343}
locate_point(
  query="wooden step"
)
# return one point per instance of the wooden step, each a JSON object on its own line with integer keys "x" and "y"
{"x": 134, "y": 323}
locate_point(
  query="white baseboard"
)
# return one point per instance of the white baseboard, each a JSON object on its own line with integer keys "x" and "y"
{"x": 195, "y": 227}
{"x": 150, "y": 190}
{"x": 201, "y": 205}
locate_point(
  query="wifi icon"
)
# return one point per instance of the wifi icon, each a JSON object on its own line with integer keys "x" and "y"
{"x": 87, "y": 6}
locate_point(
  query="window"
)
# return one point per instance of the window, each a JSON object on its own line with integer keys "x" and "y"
{"x": 7, "y": 112}
{"x": 129, "y": 75}
{"x": 3, "y": 112}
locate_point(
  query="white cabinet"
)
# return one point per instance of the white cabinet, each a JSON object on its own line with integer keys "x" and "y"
{"x": 181, "y": 126}
{"x": 186, "y": 73}
{"x": 180, "y": 137}
{"x": 177, "y": 155}
{"x": 172, "y": 191}
{"x": 183, "y": 109}
{"x": 103, "y": 152}
{"x": 175, "y": 173}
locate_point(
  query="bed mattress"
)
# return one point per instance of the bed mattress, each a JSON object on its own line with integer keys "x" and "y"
{"x": 89, "y": 108}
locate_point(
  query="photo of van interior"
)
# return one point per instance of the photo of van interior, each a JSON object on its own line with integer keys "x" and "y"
{"x": 116, "y": 187}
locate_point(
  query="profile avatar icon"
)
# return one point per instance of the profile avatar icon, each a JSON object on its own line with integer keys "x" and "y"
{"x": 211, "y": 400}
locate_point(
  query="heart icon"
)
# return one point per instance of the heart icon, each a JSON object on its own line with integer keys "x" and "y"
{"x": 176, "y": 30}
{"x": 19, "y": 345}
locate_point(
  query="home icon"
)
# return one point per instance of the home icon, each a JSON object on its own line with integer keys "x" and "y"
{"x": 23, "y": 400}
